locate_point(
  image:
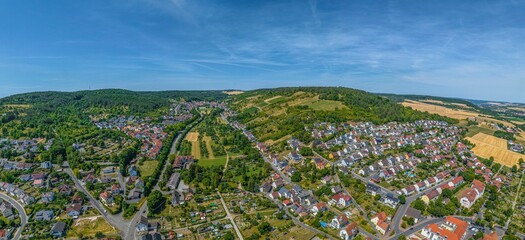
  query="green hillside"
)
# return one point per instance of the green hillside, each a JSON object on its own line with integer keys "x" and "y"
{"x": 274, "y": 114}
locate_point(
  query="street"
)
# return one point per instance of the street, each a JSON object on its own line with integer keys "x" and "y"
{"x": 116, "y": 220}
{"x": 21, "y": 212}
{"x": 229, "y": 216}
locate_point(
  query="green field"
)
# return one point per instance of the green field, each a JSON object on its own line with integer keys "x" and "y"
{"x": 326, "y": 105}
{"x": 473, "y": 130}
{"x": 218, "y": 161}
{"x": 147, "y": 168}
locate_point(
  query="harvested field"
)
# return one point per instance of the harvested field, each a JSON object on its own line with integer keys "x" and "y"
{"x": 451, "y": 113}
{"x": 432, "y": 101}
{"x": 233, "y": 92}
{"x": 491, "y": 140}
{"x": 208, "y": 141}
{"x": 192, "y": 136}
{"x": 518, "y": 109}
{"x": 196, "y": 149}
{"x": 489, "y": 146}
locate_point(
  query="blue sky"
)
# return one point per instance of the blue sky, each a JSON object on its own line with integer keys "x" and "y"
{"x": 469, "y": 49}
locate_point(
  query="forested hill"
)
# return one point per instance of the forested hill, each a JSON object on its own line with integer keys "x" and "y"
{"x": 280, "y": 112}
{"x": 45, "y": 114}
{"x": 135, "y": 102}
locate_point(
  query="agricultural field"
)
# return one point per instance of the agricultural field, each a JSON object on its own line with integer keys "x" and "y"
{"x": 489, "y": 146}
{"x": 473, "y": 130}
{"x": 233, "y": 92}
{"x": 193, "y": 138}
{"x": 460, "y": 114}
{"x": 208, "y": 141}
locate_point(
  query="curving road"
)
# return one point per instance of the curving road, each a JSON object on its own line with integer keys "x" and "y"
{"x": 401, "y": 210}
{"x": 116, "y": 220}
{"x": 21, "y": 212}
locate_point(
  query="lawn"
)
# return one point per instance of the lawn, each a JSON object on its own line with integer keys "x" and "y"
{"x": 218, "y": 161}
{"x": 88, "y": 227}
{"x": 147, "y": 168}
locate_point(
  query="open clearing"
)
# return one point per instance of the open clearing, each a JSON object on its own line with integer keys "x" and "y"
{"x": 192, "y": 136}
{"x": 207, "y": 140}
{"x": 326, "y": 105}
{"x": 25, "y": 106}
{"x": 196, "y": 149}
{"x": 233, "y": 92}
{"x": 452, "y": 113}
{"x": 273, "y": 99}
{"x": 147, "y": 168}
{"x": 489, "y": 146}
{"x": 218, "y": 161}
{"x": 88, "y": 227}
{"x": 473, "y": 130}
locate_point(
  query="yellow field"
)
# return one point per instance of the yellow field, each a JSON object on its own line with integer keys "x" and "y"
{"x": 489, "y": 146}
{"x": 518, "y": 109}
{"x": 196, "y": 149}
{"x": 491, "y": 140}
{"x": 192, "y": 136}
{"x": 208, "y": 140}
{"x": 451, "y": 113}
{"x": 433, "y": 101}
{"x": 233, "y": 92}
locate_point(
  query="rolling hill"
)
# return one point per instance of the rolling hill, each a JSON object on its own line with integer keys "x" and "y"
{"x": 277, "y": 114}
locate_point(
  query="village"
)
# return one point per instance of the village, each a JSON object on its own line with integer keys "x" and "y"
{"x": 387, "y": 180}
{"x": 355, "y": 180}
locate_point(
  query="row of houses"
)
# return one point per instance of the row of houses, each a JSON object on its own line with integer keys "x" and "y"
{"x": 14, "y": 191}
{"x": 425, "y": 184}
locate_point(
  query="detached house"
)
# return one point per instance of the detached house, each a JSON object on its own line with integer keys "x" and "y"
{"x": 340, "y": 221}
{"x": 349, "y": 232}
{"x": 342, "y": 200}
{"x": 319, "y": 208}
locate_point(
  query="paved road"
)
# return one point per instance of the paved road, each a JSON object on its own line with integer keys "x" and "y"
{"x": 130, "y": 230}
{"x": 116, "y": 220}
{"x": 365, "y": 180}
{"x": 21, "y": 212}
{"x": 363, "y": 213}
{"x": 286, "y": 179}
{"x": 401, "y": 210}
{"x": 173, "y": 149}
{"x": 417, "y": 227}
{"x": 228, "y": 215}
